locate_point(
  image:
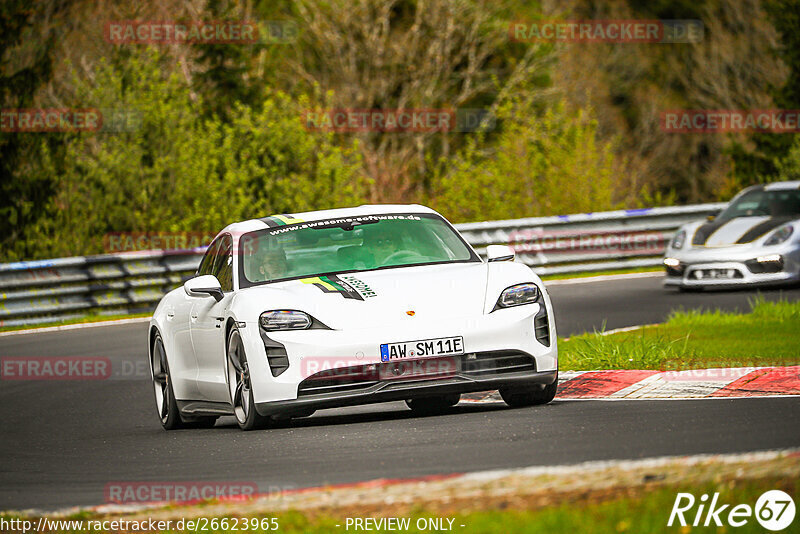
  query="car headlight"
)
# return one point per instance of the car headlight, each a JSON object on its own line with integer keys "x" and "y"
{"x": 678, "y": 240}
{"x": 284, "y": 320}
{"x": 780, "y": 235}
{"x": 518, "y": 295}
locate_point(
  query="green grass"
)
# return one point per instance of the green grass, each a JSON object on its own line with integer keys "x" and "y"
{"x": 647, "y": 513}
{"x": 636, "y": 515}
{"x": 76, "y": 320}
{"x": 632, "y": 511}
{"x": 566, "y": 276}
{"x": 767, "y": 336}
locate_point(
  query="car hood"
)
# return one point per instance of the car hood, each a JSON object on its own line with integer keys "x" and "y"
{"x": 741, "y": 230}
{"x": 370, "y": 299}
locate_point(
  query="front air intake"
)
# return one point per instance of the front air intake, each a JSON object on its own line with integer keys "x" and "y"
{"x": 276, "y": 355}
{"x": 541, "y": 327}
{"x": 344, "y": 380}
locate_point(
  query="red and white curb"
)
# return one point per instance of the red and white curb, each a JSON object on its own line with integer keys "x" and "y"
{"x": 688, "y": 384}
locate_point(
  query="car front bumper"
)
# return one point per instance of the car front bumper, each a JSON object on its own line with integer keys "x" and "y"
{"x": 689, "y": 279}
{"x": 740, "y": 260}
{"x": 394, "y": 390}
{"x": 507, "y": 332}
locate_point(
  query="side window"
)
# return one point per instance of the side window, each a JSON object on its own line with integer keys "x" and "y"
{"x": 223, "y": 264}
{"x": 207, "y": 263}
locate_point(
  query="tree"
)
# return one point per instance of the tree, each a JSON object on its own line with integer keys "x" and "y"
{"x": 542, "y": 164}
{"x": 405, "y": 54}
{"x": 788, "y": 167}
{"x": 27, "y": 41}
{"x": 172, "y": 169}
{"x": 759, "y": 160}
{"x": 225, "y": 72}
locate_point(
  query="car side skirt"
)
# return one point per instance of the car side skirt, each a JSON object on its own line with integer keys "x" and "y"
{"x": 204, "y": 408}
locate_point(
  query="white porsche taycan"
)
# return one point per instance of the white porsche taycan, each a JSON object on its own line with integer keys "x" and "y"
{"x": 755, "y": 240}
{"x": 293, "y": 313}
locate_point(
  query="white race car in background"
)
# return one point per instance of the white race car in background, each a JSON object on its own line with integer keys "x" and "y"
{"x": 755, "y": 240}
{"x": 293, "y": 313}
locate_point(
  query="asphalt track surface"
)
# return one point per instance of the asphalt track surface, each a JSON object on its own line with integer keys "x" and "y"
{"x": 63, "y": 442}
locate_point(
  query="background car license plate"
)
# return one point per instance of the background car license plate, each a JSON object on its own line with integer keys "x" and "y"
{"x": 443, "y": 346}
{"x": 718, "y": 273}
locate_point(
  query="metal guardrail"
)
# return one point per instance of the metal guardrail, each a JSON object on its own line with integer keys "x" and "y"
{"x": 43, "y": 291}
{"x": 588, "y": 242}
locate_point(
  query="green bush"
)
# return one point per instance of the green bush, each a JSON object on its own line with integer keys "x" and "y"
{"x": 178, "y": 171}
{"x": 541, "y": 164}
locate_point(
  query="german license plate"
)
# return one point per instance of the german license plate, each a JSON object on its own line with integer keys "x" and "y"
{"x": 443, "y": 346}
{"x": 717, "y": 273}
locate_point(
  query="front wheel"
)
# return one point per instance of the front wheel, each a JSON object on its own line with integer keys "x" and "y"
{"x": 531, "y": 396}
{"x": 431, "y": 405}
{"x": 240, "y": 385}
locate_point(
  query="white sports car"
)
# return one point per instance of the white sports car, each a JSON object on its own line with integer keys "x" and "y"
{"x": 755, "y": 240}
{"x": 293, "y": 313}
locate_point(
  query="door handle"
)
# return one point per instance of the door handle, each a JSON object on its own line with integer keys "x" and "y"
{"x": 219, "y": 321}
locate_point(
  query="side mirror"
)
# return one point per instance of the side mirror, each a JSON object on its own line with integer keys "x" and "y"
{"x": 204, "y": 286}
{"x": 500, "y": 253}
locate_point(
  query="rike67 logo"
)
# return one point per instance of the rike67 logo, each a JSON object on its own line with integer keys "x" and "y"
{"x": 774, "y": 510}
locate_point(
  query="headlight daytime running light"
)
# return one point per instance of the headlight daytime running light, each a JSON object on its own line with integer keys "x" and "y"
{"x": 284, "y": 320}
{"x": 518, "y": 295}
{"x": 678, "y": 240}
{"x": 780, "y": 235}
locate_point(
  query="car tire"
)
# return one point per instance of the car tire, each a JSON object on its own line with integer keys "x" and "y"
{"x": 166, "y": 405}
{"x": 240, "y": 385}
{"x": 430, "y": 405}
{"x": 533, "y": 396}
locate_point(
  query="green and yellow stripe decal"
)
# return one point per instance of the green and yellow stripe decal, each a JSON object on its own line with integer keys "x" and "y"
{"x": 332, "y": 284}
{"x": 280, "y": 220}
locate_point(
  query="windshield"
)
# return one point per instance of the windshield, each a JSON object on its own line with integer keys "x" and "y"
{"x": 760, "y": 203}
{"x": 348, "y": 244}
